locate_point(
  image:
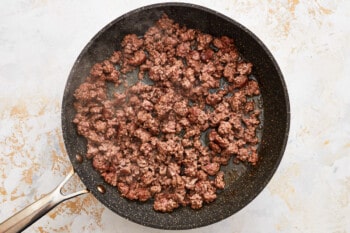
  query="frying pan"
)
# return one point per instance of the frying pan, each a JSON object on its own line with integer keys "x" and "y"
{"x": 243, "y": 182}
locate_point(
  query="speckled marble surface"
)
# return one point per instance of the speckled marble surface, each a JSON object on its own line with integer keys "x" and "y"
{"x": 310, "y": 192}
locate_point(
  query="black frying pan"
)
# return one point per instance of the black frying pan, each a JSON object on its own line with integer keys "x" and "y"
{"x": 245, "y": 182}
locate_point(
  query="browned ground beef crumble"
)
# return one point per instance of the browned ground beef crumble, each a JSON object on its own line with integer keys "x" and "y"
{"x": 146, "y": 139}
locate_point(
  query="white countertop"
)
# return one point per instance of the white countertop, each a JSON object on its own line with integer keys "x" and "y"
{"x": 310, "y": 192}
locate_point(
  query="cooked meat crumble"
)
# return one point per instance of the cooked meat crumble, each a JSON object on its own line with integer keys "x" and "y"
{"x": 146, "y": 140}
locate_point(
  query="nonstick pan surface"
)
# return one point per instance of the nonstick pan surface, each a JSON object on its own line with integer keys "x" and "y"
{"x": 245, "y": 182}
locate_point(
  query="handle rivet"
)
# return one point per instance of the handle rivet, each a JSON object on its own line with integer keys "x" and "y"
{"x": 101, "y": 189}
{"x": 79, "y": 158}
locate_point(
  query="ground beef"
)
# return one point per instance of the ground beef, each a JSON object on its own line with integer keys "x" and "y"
{"x": 146, "y": 139}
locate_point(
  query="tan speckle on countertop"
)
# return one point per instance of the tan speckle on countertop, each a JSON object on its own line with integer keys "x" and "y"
{"x": 19, "y": 111}
{"x": 292, "y": 5}
{"x": 283, "y": 186}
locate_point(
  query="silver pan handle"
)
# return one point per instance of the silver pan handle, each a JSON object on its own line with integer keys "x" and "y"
{"x": 33, "y": 212}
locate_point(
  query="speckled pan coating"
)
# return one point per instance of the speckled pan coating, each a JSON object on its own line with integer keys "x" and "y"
{"x": 245, "y": 182}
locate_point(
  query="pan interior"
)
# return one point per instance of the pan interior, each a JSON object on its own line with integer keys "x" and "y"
{"x": 245, "y": 182}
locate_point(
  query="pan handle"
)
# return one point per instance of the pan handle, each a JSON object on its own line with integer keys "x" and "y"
{"x": 36, "y": 210}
